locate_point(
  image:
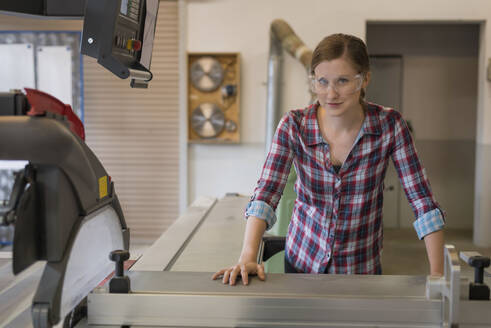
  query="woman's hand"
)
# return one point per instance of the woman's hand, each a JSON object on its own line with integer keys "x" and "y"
{"x": 244, "y": 269}
{"x": 247, "y": 261}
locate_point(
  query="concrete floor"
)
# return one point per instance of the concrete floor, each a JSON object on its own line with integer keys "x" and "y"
{"x": 405, "y": 254}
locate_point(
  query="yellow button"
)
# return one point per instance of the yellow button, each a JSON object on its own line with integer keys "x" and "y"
{"x": 129, "y": 44}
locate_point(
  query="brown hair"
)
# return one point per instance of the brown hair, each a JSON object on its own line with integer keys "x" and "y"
{"x": 338, "y": 45}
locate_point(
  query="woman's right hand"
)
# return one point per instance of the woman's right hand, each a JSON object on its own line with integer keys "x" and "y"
{"x": 247, "y": 264}
{"x": 244, "y": 269}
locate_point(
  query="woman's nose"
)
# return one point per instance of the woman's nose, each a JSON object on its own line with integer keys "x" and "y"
{"x": 331, "y": 93}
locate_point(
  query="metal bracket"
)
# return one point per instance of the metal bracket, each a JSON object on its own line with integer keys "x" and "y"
{"x": 451, "y": 288}
{"x": 40, "y": 315}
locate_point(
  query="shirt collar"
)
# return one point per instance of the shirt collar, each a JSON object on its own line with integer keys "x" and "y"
{"x": 313, "y": 135}
{"x": 371, "y": 124}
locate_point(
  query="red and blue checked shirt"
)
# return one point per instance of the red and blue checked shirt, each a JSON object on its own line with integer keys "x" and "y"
{"x": 336, "y": 224}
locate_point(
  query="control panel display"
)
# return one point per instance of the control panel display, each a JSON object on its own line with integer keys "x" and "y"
{"x": 130, "y": 9}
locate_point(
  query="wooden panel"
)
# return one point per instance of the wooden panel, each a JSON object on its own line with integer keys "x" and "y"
{"x": 134, "y": 132}
{"x": 229, "y": 106}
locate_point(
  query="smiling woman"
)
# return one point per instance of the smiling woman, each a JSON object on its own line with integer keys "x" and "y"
{"x": 338, "y": 45}
{"x": 353, "y": 140}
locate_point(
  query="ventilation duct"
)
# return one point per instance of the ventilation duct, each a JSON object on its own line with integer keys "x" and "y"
{"x": 282, "y": 37}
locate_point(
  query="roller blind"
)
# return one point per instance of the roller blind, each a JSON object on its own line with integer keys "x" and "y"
{"x": 134, "y": 132}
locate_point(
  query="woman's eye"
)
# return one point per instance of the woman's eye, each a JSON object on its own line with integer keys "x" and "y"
{"x": 342, "y": 80}
{"x": 322, "y": 81}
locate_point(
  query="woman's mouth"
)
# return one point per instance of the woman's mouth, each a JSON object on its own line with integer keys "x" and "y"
{"x": 334, "y": 105}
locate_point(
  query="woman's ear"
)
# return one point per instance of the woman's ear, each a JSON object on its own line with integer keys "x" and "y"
{"x": 366, "y": 80}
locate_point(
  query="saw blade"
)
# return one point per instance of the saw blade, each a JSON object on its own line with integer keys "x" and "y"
{"x": 207, "y": 120}
{"x": 206, "y": 74}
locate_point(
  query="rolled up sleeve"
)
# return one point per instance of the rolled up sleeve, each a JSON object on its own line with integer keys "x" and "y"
{"x": 428, "y": 214}
{"x": 429, "y": 222}
{"x": 274, "y": 175}
{"x": 262, "y": 211}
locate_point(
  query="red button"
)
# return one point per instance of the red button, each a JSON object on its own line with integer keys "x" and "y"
{"x": 135, "y": 45}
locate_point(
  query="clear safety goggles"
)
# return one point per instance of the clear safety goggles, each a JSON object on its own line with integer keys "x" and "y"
{"x": 344, "y": 85}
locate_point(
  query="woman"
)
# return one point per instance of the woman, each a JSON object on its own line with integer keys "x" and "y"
{"x": 341, "y": 147}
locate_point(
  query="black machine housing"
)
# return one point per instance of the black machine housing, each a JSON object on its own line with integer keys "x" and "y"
{"x": 61, "y": 184}
{"x": 56, "y": 191}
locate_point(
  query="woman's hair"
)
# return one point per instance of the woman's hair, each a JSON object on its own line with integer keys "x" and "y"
{"x": 338, "y": 45}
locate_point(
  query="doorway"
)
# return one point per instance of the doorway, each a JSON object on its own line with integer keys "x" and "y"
{"x": 386, "y": 89}
{"x": 429, "y": 72}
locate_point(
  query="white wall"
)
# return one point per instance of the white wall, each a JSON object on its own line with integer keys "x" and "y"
{"x": 243, "y": 26}
{"x": 439, "y": 98}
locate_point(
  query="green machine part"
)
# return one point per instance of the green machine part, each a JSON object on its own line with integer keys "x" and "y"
{"x": 283, "y": 214}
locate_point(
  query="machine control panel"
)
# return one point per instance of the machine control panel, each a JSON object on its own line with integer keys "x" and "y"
{"x": 120, "y": 33}
{"x": 128, "y": 29}
{"x": 123, "y": 43}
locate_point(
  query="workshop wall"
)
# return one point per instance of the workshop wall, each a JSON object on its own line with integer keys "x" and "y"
{"x": 243, "y": 26}
{"x": 134, "y": 132}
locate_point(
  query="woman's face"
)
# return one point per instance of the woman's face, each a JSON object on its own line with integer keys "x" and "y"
{"x": 338, "y": 86}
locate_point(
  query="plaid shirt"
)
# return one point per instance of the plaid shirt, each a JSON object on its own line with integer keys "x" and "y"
{"x": 336, "y": 224}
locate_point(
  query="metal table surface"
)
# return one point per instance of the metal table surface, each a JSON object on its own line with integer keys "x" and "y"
{"x": 171, "y": 286}
{"x": 16, "y": 293}
{"x": 192, "y": 299}
{"x": 206, "y": 237}
{"x": 282, "y": 285}
{"x": 218, "y": 242}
